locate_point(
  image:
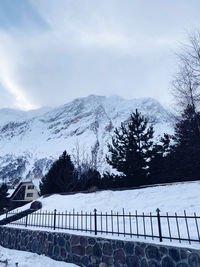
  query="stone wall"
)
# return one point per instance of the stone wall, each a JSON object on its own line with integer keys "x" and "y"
{"x": 93, "y": 252}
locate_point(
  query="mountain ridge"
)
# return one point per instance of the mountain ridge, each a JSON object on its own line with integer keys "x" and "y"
{"x": 30, "y": 143}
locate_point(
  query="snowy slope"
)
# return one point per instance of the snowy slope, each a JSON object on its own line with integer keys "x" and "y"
{"x": 168, "y": 198}
{"x": 30, "y": 141}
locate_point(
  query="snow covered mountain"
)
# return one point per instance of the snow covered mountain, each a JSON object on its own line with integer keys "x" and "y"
{"x": 31, "y": 141}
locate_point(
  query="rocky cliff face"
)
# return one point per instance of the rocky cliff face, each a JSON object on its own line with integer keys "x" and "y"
{"x": 31, "y": 141}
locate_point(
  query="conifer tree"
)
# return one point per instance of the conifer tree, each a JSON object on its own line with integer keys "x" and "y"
{"x": 131, "y": 149}
{"x": 159, "y": 170}
{"x": 90, "y": 178}
{"x": 61, "y": 176}
{"x": 185, "y": 153}
{"x": 3, "y": 197}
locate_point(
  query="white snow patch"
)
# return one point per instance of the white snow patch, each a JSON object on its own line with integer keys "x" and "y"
{"x": 28, "y": 259}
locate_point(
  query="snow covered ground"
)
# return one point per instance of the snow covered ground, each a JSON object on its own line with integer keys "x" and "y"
{"x": 28, "y": 259}
{"x": 169, "y": 199}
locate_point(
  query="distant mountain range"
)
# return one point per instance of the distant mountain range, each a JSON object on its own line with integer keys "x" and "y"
{"x": 30, "y": 141}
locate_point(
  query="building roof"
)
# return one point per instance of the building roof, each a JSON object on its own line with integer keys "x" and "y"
{"x": 35, "y": 182}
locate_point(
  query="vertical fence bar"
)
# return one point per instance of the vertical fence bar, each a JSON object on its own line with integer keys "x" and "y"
{"x": 144, "y": 225}
{"x": 118, "y": 223}
{"x": 66, "y": 219}
{"x": 54, "y": 224}
{"x": 81, "y": 220}
{"x": 90, "y": 222}
{"x": 106, "y": 224}
{"x": 124, "y": 223}
{"x": 73, "y": 217}
{"x": 49, "y": 217}
{"x": 136, "y": 217}
{"x": 52, "y": 219}
{"x": 130, "y": 224}
{"x": 58, "y": 220}
{"x": 177, "y": 227}
{"x": 77, "y": 221}
{"x": 86, "y": 221}
{"x": 45, "y": 221}
{"x": 159, "y": 225}
{"x": 101, "y": 223}
{"x": 170, "y": 236}
{"x": 112, "y": 221}
{"x": 151, "y": 227}
{"x": 62, "y": 220}
{"x": 95, "y": 221}
{"x": 195, "y": 217}
{"x": 70, "y": 220}
{"x": 187, "y": 227}
{"x": 26, "y": 220}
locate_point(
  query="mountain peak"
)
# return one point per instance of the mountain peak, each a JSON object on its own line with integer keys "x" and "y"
{"x": 30, "y": 141}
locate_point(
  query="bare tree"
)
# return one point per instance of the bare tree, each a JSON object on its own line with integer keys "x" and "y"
{"x": 186, "y": 82}
{"x": 81, "y": 159}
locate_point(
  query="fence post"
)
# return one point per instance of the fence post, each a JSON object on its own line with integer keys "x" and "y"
{"x": 54, "y": 224}
{"x": 95, "y": 221}
{"x": 26, "y": 220}
{"x": 159, "y": 225}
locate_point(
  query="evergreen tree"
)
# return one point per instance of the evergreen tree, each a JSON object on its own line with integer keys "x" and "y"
{"x": 3, "y": 197}
{"x": 185, "y": 153}
{"x": 61, "y": 176}
{"x": 158, "y": 169}
{"x": 90, "y": 178}
{"x": 131, "y": 149}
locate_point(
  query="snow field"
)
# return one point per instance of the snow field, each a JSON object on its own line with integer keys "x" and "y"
{"x": 170, "y": 199}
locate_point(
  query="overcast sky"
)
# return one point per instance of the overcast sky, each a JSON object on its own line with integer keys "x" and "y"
{"x": 52, "y": 51}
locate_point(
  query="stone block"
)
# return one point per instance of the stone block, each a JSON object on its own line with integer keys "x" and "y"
{"x": 97, "y": 250}
{"x": 83, "y": 241}
{"x": 153, "y": 263}
{"x": 79, "y": 250}
{"x": 107, "y": 249}
{"x": 174, "y": 254}
{"x": 128, "y": 248}
{"x": 167, "y": 262}
{"x": 91, "y": 241}
{"x": 133, "y": 261}
{"x": 152, "y": 252}
{"x": 107, "y": 260}
{"x": 75, "y": 240}
{"x": 139, "y": 251}
{"x": 194, "y": 260}
{"x": 119, "y": 256}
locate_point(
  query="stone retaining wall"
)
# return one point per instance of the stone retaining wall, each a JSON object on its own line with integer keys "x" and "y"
{"x": 97, "y": 252}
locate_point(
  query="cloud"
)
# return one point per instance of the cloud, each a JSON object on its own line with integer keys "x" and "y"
{"x": 66, "y": 49}
{"x": 8, "y": 78}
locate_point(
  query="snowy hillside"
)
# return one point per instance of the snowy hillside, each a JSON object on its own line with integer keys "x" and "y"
{"x": 30, "y": 141}
{"x": 168, "y": 198}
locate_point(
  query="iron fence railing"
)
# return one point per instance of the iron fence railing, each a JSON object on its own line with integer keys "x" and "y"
{"x": 154, "y": 226}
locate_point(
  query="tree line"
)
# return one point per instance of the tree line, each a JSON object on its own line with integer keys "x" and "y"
{"x": 136, "y": 157}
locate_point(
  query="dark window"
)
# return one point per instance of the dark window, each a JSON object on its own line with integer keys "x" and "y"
{"x": 30, "y": 186}
{"x": 29, "y": 194}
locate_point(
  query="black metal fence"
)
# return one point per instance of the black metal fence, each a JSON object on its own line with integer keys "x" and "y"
{"x": 148, "y": 226}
